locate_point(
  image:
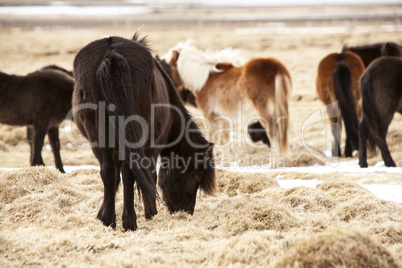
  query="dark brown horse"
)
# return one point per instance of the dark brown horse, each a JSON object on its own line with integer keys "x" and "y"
{"x": 338, "y": 80}
{"x": 128, "y": 108}
{"x": 381, "y": 87}
{"x": 58, "y": 68}
{"x": 368, "y": 53}
{"x": 41, "y": 101}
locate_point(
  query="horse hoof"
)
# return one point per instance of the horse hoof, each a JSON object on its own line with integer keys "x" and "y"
{"x": 363, "y": 164}
{"x": 129, "y": 222}
{"x": 150, "y": 215}
{"x": 390, "y": 164}
{"x": 107, "y": 220}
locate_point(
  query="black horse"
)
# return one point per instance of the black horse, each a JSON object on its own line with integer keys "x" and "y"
{"x": 381, "y": 87}
{"x": 369, "y": 53}
{"x": 128, "y": 108}
{"x": 41, "y": 101}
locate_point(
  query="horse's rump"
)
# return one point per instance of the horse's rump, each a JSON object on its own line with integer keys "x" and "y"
{"x": 381, "y": 87}
{"x": 338, "y": 79}
{"x": 269, "y": 87}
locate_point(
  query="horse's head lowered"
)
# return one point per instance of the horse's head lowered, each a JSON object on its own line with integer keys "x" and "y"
{"x": 180, "y": 177}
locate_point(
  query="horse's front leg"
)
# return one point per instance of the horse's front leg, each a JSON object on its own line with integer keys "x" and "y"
{"x": 53, "y": 134}
{"x": 107, "y": 213}
{"x": 37, "y": 144}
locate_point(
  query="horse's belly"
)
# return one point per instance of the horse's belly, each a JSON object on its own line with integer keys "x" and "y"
{"x": 234, "y": 110}
{"x": 15, "y": 117}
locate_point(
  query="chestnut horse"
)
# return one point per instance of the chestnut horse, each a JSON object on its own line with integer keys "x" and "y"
{"x": 221, "y": 81}
{"x": 41, "y": 101}
{"x": 368, "y": 53}
{"x": 126, "y": 105}
{"x": 381, "y": 87}
{"x": 338, "y": 80}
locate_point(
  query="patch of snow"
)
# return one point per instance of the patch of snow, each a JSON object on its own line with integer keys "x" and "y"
{"x": 385, "y": 191}
{"x": 297, "y": 182}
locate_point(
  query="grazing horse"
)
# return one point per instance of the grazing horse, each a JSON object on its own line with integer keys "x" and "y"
{"x": 338, "y": 80}
{"x": 135, "y": 116}
{"x": 368, "y": 53}
{"x": 381, "y": 87}
{"x": 41, "y": 101}
{"x": 222, "y": 82}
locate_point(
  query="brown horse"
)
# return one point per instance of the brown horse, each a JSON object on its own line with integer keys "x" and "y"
{"x": 128, "y": 108}
{"x": 368, "y": 53}
{"x": 41, "y": 101}
{"x": 338, "y": 80}
{"x": 381, "y": 87}
{"x": 221, "y": 83}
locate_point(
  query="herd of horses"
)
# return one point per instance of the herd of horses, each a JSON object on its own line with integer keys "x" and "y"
{"x": 123, "y": 75}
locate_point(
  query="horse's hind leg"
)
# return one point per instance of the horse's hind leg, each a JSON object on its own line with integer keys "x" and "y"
{"x": 107, "y": 213}
{"x": 362, "y": 145}
{"x": 149, "y": 213}
{"x": 53, "y": 134}
{"x": 348, "y": 147}
{"x": 336, "y": 128}
{"x": 129, "y": 216}
{"x": 30, "y": 133}
{"x": 37, "y": 144}
{"x": 386, "y": 155}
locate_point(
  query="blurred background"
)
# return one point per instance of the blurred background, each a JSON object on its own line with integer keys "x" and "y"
{"x": 128, "y": 12}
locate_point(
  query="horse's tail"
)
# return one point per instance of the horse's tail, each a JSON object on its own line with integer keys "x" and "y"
{"x": 283, "y": 89}
{"x": 369, "y": 128}
{"x": 114, "y": 78}
{"x": 342, "y": 76}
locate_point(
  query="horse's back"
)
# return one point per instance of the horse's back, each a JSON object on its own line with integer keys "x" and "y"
{"x": 384, "y": 78}
{"x": 369, "y": 53}
{"x": 40, "y": 97}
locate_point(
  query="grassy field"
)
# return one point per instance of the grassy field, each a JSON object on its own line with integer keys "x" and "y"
{"x": 49, "y": 219}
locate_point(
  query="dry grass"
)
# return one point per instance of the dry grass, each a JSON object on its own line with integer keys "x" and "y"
{"x": 338, "y": 248}
{"x": 49, "y": 219}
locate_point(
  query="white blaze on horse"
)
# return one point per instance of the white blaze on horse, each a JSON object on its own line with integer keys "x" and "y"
{"x": 222, "y": 82}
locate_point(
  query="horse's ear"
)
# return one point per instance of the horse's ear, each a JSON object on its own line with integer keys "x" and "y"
{"x": 345, "y": 47}
{"x": 175, "y": 56}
